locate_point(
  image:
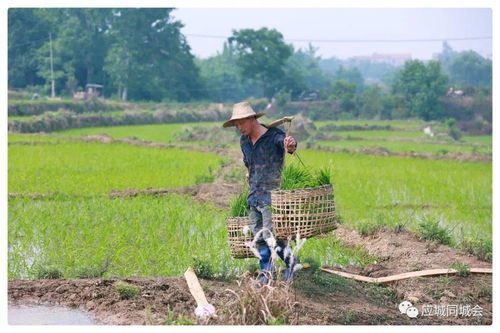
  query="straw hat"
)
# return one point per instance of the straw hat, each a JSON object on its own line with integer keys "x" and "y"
{"x": 241, "y": 111}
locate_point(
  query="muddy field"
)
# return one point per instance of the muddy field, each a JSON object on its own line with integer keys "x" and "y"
{"x": 319, "y": 298}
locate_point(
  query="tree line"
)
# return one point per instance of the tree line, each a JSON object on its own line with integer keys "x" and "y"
{"x": 136, "y": 54}
{"x": 140, "y": 54}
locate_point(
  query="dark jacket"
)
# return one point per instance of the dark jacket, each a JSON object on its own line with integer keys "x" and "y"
{"x": 264, "y": 161}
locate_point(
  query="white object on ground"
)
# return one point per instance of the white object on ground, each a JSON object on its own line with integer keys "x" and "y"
{"x": 428, "y": 131}
{"x": 204, "y": 311}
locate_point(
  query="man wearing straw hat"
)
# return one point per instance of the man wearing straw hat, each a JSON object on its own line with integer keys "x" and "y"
{"x": 264, "y": 151}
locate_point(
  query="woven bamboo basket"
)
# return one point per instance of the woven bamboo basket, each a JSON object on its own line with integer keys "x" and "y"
{"x": 308, "y": 211}
{"x": 236, "y": 237}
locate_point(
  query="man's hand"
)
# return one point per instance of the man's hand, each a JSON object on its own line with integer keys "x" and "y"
{"x": 290, "y": 144}
{"x": 247, "y": 178}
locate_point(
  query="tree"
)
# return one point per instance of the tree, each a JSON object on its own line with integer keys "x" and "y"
{"x": 27, "y": 32}
{"x": 302, "y": 73}
{"x": 371, "y": 102}
{"x": 261, "y": 55}
{"x": 138, "y": 52}
{"x": 223, "y": 80}
{"x": 82, "y": 41}
{"x": 470, "y": 68}
{"x": 446, "y": 56}
{"x": 467, "y": 69}
{"x": 421, "y": 85}
{"x": 346, "y": 93}
{"x": 149, "y": 58}
{"x": 118, "y": 65}
{"x": 79, "y": 43}
{"x": 351, "y": 75}
{"x": 369, "y": 69}
{"x": 330, "y": 65}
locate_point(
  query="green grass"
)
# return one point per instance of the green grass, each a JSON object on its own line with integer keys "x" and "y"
{"x": 138, "y": 236}
{"x": 157, "y": 133}
{"x": 85, "y": 233}
{"x": 43, "y": 101}
{"x": 429, "y": 229}
{"x": 463, "y": 269}
{"x": 143, "y": 236}
{"x": 479, "y": 246}
{"x": 407, "y": 146}
{"x": 330, "y": 251}
{"x": 126, "y": 290}
{"x": 483, "y": 139}
{"x": 17, "y": 137}
{"x": 84, "y": 168}
{"x": 109, "y": 113}
{"x": 20, "y": 118}
{"x": 381, "y": 134}
{"x": 161, "y": 133}
{"x": 402, "y": 190}
{"x": 94, "y": 235}
{"x": 393, "y": 123}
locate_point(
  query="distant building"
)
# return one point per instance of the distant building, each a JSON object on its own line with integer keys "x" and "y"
{"x": 393, "y": 59}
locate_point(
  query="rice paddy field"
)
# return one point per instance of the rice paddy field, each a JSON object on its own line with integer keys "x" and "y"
{"x": 405, "y": 146}
{"x": 381, "y": 134}
{"x": 413, "y": 123}
{"x": 80, "y": 231}
{"x": 397, "y": 190}
{"x": 403, "y": 137}
{"x": 82, "y": 168}
{"x": 163, "y": 133}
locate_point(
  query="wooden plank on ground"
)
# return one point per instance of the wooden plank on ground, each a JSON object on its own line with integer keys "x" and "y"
{"x": 195, "y": 287}
{"x": 404, "y": 276}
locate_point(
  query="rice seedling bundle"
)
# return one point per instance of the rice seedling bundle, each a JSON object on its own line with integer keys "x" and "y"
{"x": 304, "y": 204}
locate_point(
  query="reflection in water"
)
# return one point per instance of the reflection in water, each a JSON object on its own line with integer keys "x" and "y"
{"x": 48, "y": 315}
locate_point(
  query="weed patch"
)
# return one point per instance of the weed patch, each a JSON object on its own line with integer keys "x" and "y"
{"x": 126, "y": 290}
{"x": 430, "y": 229}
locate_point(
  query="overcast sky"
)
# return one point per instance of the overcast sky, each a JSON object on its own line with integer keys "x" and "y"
{"x": 345, "y": 24}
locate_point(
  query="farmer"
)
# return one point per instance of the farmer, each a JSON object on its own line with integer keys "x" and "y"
{"x": 263, "y": 154}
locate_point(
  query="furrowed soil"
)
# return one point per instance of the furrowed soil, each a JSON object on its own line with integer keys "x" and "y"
{"x": 318, "y": 298}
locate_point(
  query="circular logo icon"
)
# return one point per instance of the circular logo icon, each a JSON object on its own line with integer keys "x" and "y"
{"x": 403, "y": 306}
{"x": 412, "y": 312}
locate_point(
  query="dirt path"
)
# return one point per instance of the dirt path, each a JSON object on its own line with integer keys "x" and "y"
{"x": 401, "y": 252}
